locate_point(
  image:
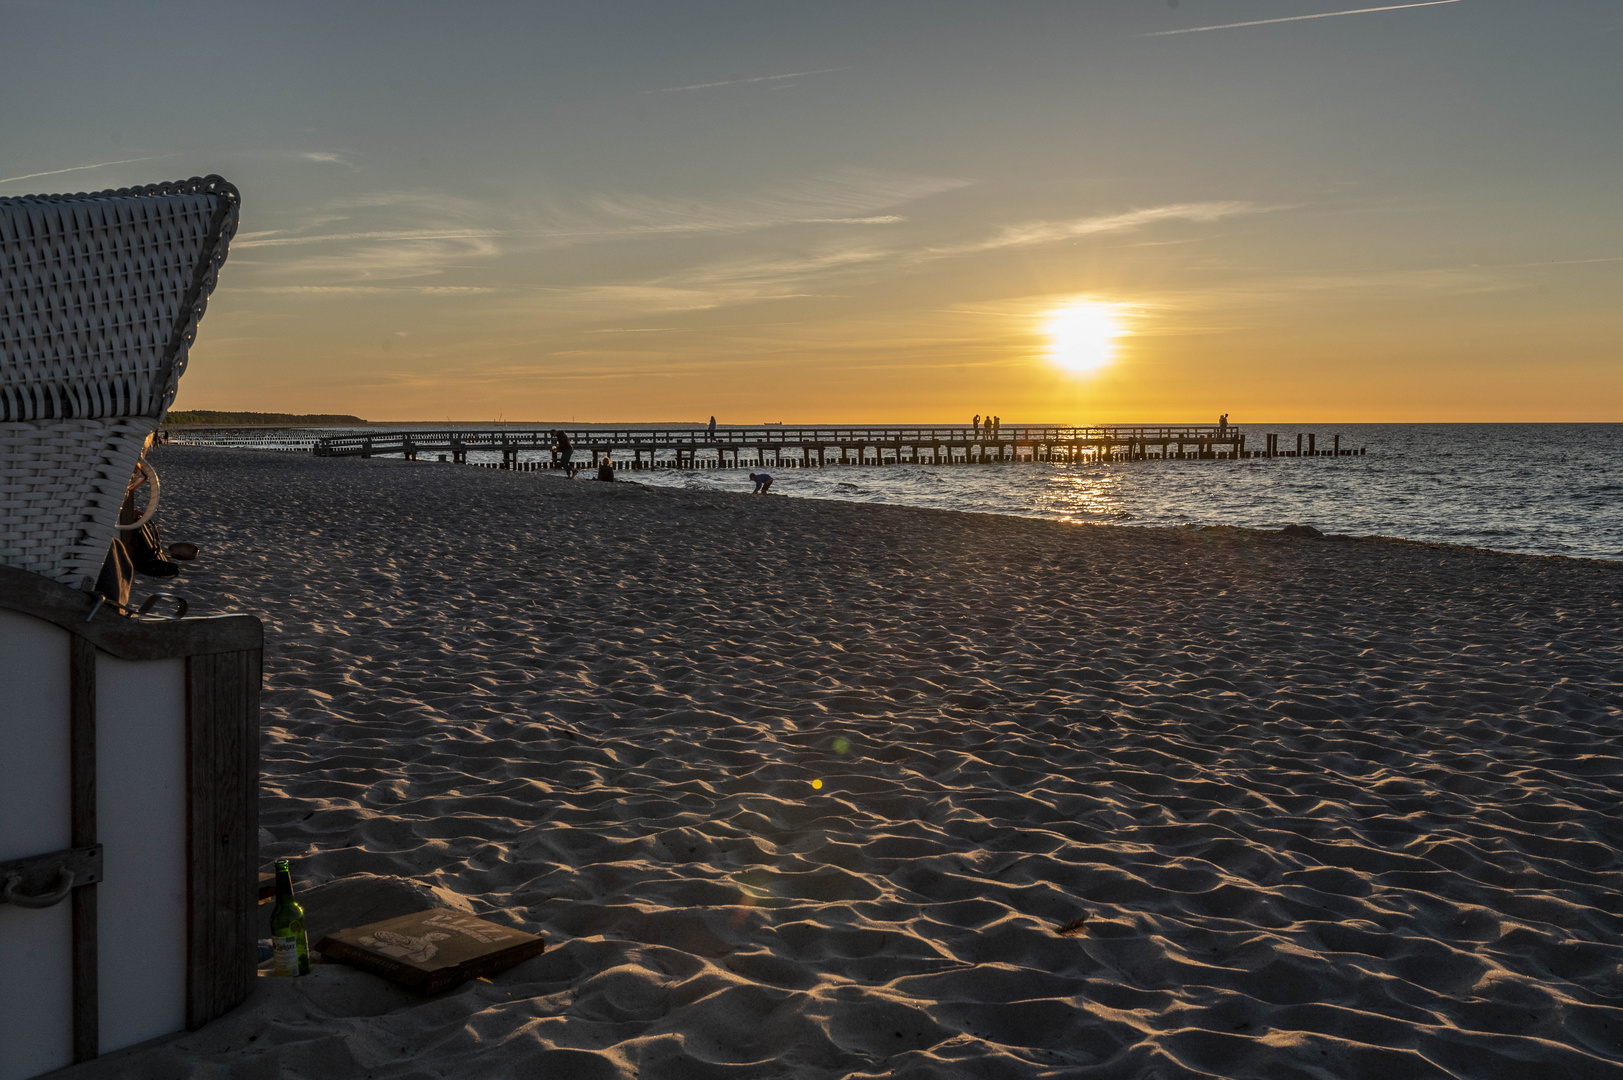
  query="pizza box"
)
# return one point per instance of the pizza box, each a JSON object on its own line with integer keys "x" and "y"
{"x": 430, "y": 951}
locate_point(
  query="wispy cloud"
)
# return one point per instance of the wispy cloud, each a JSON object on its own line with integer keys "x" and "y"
{"x": 1299, "y": 18}
{"x": 82, "y": 168}
{"x": 833, "y": 266}
{"x": 260, "y": 240}
{"x": 883, "y": 219}
{"x": 1048, "y": 232}
{"x": 393, "y": 258}
{"x": 843, "y": 197}
{"x": 373, "y": 290}
{"x": 741, "y": 82}
{"x": 327, "y": 157}
{"x": 722, "y": 283}
{"x": 358, "y": 241}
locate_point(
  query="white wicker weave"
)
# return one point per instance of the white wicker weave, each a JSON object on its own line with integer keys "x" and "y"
{"x": 100, "y": 297}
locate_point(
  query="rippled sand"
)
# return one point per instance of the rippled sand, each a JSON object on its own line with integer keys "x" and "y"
{"x": 1095, "y": 802}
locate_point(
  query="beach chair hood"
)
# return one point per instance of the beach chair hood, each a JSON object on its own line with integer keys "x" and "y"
{"x": 100, "y": 298}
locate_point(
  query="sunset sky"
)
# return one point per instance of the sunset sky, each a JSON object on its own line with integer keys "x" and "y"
{"x": 1091, "y": 211}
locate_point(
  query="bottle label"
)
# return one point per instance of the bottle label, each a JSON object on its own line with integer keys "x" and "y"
{"x": 285, "y": 952}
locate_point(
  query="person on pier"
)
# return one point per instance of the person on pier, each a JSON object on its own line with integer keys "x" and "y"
{"x": 975, "y": 426}
{"x": 711, "y": 434}
{"x": 997, "y": 425}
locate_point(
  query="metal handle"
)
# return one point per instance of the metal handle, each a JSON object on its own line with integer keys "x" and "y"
{"x": 180, "y": 604}
{"x": 64, "y": 885}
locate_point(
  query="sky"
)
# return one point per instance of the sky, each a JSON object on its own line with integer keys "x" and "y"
{"x": 872, "y": 212}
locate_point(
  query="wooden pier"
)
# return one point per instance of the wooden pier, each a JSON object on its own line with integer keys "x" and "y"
{"x": 775, "y": 446}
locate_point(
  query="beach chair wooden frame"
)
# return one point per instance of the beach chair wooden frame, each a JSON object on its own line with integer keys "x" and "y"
{"x": 117, "y": 696}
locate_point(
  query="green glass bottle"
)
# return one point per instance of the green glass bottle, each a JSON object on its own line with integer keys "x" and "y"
{"x": 289, "y": 949}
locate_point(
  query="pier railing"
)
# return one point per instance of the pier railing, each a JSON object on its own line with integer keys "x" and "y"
{"x": 394, "y": 442}
{"x": 792, "y": 447}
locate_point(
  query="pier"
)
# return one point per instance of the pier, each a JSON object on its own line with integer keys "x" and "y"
{"x": 776, "y": 446}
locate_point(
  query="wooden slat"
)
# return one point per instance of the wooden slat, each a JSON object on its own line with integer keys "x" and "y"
{"x": 82, "y": 772}
{"x": 222, "y": 709}
{"x": 127, "y": 639}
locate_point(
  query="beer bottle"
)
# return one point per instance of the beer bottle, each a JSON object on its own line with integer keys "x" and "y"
{"x": 289, "y": 949}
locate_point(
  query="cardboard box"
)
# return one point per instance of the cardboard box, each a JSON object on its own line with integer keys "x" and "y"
{"x": 430, "y": 951}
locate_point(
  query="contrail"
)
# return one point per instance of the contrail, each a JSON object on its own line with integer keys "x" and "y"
{"x": 736, "y": 82}
{"x": 81, "y": 168}
{"x": 1299, "y": 18}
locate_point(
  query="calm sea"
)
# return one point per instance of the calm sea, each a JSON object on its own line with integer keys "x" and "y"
{"x": 1544, "y": 489}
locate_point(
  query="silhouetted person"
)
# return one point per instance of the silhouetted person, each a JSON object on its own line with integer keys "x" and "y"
{"x": 711, "y": 434}
{"x": 763, "y": 483}
{"x": 997, "y": 426}
{"x": 975, "y": 426}
{"x": 605, "y": 471}
{"x": 566, "y": 452}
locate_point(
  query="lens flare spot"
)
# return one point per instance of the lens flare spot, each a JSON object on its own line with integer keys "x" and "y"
{"x": 842, "y": 745}
{"x": 817, "y": 785}
{"x": 1082, "y": 335}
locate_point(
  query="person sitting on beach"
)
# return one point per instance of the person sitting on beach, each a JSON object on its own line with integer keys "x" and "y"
{"x": 763, "y": 483}
{"x": 605, "y": 471}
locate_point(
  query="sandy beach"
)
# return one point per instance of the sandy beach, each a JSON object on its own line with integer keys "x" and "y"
{"x": 801, "y": 788}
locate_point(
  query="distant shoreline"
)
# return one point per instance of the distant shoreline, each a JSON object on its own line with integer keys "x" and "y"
{"x": 212, "y": 418}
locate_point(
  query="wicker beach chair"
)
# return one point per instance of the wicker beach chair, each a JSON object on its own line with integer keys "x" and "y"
{"x": 129, "y": 782}
{"x": 100, "y": 297}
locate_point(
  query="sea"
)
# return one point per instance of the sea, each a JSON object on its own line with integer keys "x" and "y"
{"x": 1537, "y": 489}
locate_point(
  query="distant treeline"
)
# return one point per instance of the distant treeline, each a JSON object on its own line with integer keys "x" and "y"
{"x": 210, "y": 418}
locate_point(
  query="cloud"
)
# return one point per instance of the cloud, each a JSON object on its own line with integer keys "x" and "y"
{"x": 712, "y": 285}
{"x": 844, "y": 197}
{"x": 359, "y": 240}
{"x": 392, "y": 257}
{"x": 809, "y": 272}
{"x": 271, "y": 239}
{"x": 1299, "y": 18}
{"x": 325, "y": 157}
{"x": 885, "y": 219}
{"x": 384, "y": 236}
{"x": 372, "y": 290}
{"x": 741, "y": 82}
{"x": 1048, "y": 232}
{"x": 82, "y": 168}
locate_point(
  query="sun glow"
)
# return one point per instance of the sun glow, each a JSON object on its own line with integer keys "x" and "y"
{"x": 1082, "y": 335}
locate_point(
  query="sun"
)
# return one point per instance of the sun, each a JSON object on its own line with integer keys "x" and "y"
{"x": 1082, "y": 335}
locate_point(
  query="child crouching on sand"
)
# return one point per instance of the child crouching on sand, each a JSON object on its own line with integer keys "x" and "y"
{"x": 763, "y": 482}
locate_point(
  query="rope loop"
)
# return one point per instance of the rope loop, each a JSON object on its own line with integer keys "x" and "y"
{"x": 148, "y": 475}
